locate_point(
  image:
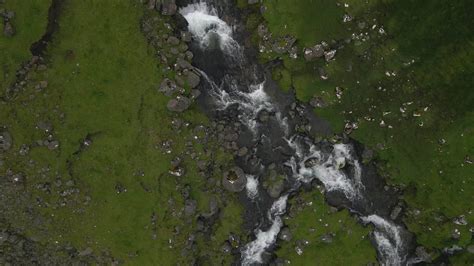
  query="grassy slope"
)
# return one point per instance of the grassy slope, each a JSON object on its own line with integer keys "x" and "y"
{"x": 351, "y": 244}
{"x": 29, "y": 23}
{"x": 108, "y": 87}
{"x": 437, "y": 36}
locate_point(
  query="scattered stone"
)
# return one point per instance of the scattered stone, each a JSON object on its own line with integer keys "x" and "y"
{"x": 327, "y": 238}
{"x": 395, "y": 212}
{"x": 168, "y": 7}
{"x": 317, "y": 101}
{"x": 86, "y": 252}
{"x": 470, "y": 249}
{"x": 285, "y": 234}
{"x": 8, "y": 29}
{"x": 313, "y": 53}
{"x": 173, "y": 40}
{"x": 226, "y": 247}
{"x": 190, "y": 207}
{"x": 234, "y": 180}
{"x": 179, "y": 104}
{"x": 167, "y": 87}
{"x": 242, "y": 151}
{"x": 5, "y": 141}
{"x": 329, "y": 55}
{"x": 52, "y": 145}
{"x": 192, "y": 79}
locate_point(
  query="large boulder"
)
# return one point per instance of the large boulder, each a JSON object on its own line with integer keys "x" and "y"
{"x": 178, "y": 104}
{"x": 314, "y": 52}
{"x": 168, "y": 7}
{"x": 193, "y": 79}
{"x": 234, "y": 180}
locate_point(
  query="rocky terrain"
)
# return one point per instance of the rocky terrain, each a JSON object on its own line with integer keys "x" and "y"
{"x": 163, "y": 132}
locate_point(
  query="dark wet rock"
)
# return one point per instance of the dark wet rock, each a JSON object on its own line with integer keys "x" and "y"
{"x": 179, "y": 104}
{"x": 190, "y": 207}
{"x": 285, "y": 234}
{"x": 313, "y": 53}
{"x": 367, "y": 155}
{"x": 234, "y": 180}
{"x": 242, "y": 151}
{"x": 263, "y": 116}
{"x": 395, "y": 212}
{"x": 8, "y": 29}
{"x": 6, "y": 140}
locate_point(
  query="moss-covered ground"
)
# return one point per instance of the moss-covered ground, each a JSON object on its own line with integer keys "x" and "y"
{"x": 405, "y": 68}
{"x": 102, "y": 90}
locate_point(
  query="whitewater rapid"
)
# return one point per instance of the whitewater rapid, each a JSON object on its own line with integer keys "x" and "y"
{"x": 307, "y": 162}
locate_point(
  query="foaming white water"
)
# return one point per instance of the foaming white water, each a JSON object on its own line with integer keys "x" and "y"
{"x": 389, "y": 242}
{"x": 307, "y": 165}
{"x": 208, "y": 28}
{"x": 252, "y": 186}
{"x": 253, "y": 251}
{"x": 249, "y": 103}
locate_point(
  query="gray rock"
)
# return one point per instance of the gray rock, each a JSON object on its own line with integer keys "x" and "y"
{"x": 52, "y": 145}
{"x": 167, "y": 87}
{"x": 285, "y": 234}
{"x": 193, "y": 79}
{"x": 422, "y": 254}
{"x": 329, "y": 55}
{"x": 313, "y": 53}
{"x": 188, "y": 55}
{"x": 251, "y": 2}
{"x": 6, "y": 141}
{"x": 173, "y": 40}
{"x": 179, "y": 104}
{"x": 8, "y": 29}
{"x": 234, "y": 180}
{"x": 168, "y": 7}
{"x": 190, "y": 207}
{"x": 183, "y": 64}
{"x": 242, "y": 151}
{"x": 326, "y": 238}
{"x": 395, "y": 212}
{"x": 470, "y": 249}
{"x": 263, "y": 116}
{"x": 317, "y": 101}
{"x": 195, "y": 93}
{"x": 86, "y": 252}
{"x": 186, "y": 36}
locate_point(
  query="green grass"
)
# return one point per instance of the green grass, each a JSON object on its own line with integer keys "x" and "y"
{"x": 437, "y": 181}
{"x": 108, "y": 89}
{"x": 29, "y": 23}
{"x": 351, "y": 243}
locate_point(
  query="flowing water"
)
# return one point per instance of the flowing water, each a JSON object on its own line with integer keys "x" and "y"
{"x": 237, "y": 89}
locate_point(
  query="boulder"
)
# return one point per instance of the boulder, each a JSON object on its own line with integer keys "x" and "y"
{"x": 8, "y": 30}
{"x": 5, "y": 141}
{"x": 168, "y": 7}
{"x": 314, "y": 52}
{"x": 167, "y": 87}
{"x": 285, "y": 234}
{"x": 234, "y": 180}
{"x": 193, "y": 79}
{"x": 178, "y": 104}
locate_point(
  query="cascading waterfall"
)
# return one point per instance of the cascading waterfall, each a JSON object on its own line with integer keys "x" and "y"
{"x": 307, "y": 162}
